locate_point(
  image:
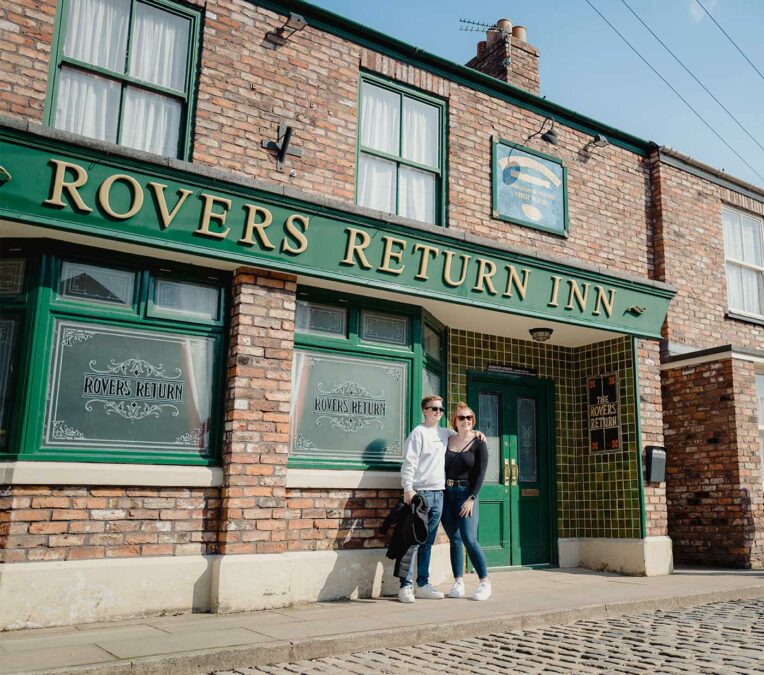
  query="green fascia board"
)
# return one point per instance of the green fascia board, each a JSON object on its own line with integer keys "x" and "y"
{"x": 29, "y": 159}
{"x": 357, "y": 33}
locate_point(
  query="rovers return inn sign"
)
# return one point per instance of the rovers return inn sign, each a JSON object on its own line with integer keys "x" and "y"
{"x": 57, "y": 185}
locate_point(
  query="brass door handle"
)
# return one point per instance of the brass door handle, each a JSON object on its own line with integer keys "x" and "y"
{"x": 506, "y": 472}
{"x": 515, "y": 472}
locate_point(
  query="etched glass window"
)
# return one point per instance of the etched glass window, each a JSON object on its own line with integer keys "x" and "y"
{"x": 12, "y": 277}
{"x": 128, "y": 388}
{"x": 9, "y": 327}
{"x": 318, "y": 319}
{"x": 430, "y": 383}
{"x": 96, "y": 284}
{"x": 184, "y": 297}
{"x": 489, "y": 422}
{"x": 527, "y": 456}
{"x": 385, "y": 328}
{"x": 348, "y": 407}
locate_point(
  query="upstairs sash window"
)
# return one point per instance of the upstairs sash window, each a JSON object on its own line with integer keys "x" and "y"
{"x": 125, "y": 72}
{"x": 744, "y": 249}
{"x": 400, "y": 160}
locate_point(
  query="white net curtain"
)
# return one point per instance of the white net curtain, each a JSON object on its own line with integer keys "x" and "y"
{"x": 89, "y": 103}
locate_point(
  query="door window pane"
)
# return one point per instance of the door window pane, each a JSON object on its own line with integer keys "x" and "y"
{"x": 488, "y": 423}
{"x": 420, "y": 132}
{"x": 128, "y": 389}
{"x": 417, "y": 195}
{"x": 187, "y": 298}
{"x": 432, "y": 343}
{"x": 159, "y": 49}
{"x": 96, "y": 32}
{"x": 12, "y": 277}
{"x": 87, "y": 105}
{"x": 385, "y": 328}
{"x": 527, "y": 458}
{"x": 151, "y": 122}
{"x": 348, "y": 407}
{"x": 430, "y": 383}
{"x": 9, "y": 327}
{"x": 380, "y": 118}
{"x": 98, "y": 284}
{"x": 321, "y": 319}
{"x": 376, "y": 183}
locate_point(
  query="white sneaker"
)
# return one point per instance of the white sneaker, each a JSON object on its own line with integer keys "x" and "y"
{"x": 483, "y": 591}
{"x": 457, "y": 590}
{"x": 406, "y": 594}
{"x": 429, "y": 593}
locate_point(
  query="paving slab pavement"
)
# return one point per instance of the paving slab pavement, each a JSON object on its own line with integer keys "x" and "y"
{"x": 202, "y": 643}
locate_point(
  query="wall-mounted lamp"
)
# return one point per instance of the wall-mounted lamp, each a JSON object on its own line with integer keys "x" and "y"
{"x": 550, "y": 135}
{"x": 541, "y": 334}
{"x": 293, "y": 24}
{"x": 599, "y": 141}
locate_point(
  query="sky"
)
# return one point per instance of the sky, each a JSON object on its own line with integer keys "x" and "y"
{"x": 586, "y": 67}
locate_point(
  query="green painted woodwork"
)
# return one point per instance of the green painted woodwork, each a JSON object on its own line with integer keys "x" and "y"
{"x": 517, "y": 515}
{"x": 192, "y": 214}
{"x": 369, "y": 38}
{"x": 187, "y": 97}
{"x": 108, "y": 382}
{"x": 512, "y": 210}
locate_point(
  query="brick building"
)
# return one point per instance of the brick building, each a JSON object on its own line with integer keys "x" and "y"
{"x": 231, "y": 268}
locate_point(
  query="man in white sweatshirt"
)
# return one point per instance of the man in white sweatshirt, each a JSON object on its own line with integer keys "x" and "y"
{"x": 423, "y": 472}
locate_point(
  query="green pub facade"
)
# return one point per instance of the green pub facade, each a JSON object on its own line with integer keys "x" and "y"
{"x": 225, "y": 291}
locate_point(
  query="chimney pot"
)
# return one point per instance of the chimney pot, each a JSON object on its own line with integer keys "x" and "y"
{"x": 494, "y": 34}
{"x": 520, "y": 34}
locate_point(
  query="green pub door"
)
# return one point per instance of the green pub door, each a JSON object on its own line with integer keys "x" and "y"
{"x": 516, "y": 414}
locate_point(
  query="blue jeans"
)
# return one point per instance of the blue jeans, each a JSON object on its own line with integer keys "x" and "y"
{"x": 462, "y": 531}
{"x": 434, "y": 501}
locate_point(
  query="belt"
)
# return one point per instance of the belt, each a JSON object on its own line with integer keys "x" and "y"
{"x": 450, "y": 482}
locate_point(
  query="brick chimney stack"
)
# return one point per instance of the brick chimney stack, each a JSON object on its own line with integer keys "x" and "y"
{"x": 505, "y": 54}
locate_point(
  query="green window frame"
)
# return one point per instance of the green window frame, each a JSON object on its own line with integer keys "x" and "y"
{"x": 185, "y": 97}
{"x": 352, "y": 344}
{"x": 438, "y": 170}
{"x": 128, "y": 344}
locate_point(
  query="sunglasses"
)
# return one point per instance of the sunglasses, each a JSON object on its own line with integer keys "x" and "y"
{"x": 436, "y": 409}
{"x": 461, "y": 418}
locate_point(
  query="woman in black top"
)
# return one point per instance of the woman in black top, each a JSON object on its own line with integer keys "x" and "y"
{"x": 466, "y": 462}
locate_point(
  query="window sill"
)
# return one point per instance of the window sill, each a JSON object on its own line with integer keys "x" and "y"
{"x": 748, "y": 318}
{"x": 81, "y": 473}
{"x": 318, "y": 478}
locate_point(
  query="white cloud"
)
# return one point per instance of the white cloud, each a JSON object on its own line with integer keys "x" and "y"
{"x": 696, "y": 11}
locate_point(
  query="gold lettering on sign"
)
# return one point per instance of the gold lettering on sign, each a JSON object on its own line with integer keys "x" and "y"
{"x": 607, "y": 304}
{"x": 575, "y": 294}
{"x": 425, "y": 259}
{"x": 296, "y": 234}
{"x": 483, "y": 277}
{"x": 513, "y": 279}
{"x": 208, "y": 214}
{"x": 59, "y": 185}
{"x": 447, "y": 269}
{"x": 355, "y": 249}
{"x": 253, "y": 226}
{"x": 555, "y": 291}
{"x": 167, "y": 216}
{"x": 389, "y": 254}
{"x": 104, "y": 194}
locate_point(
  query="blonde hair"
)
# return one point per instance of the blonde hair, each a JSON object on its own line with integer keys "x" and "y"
{"x": 459, "y": 407}
{"x": 427, "y": 400}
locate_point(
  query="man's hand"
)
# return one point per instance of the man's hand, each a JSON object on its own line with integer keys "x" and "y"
{"x": 407, "y": 496}
{"x": 480, "y": 436}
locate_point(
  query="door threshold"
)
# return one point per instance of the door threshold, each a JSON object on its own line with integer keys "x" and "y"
{"x": 520, "y": 568}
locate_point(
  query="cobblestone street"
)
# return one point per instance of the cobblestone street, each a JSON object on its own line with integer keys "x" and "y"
{"x": 717, "y": 638}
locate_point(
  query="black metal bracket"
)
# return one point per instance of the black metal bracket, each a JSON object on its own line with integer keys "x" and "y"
{"x": 281, "y": 146}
